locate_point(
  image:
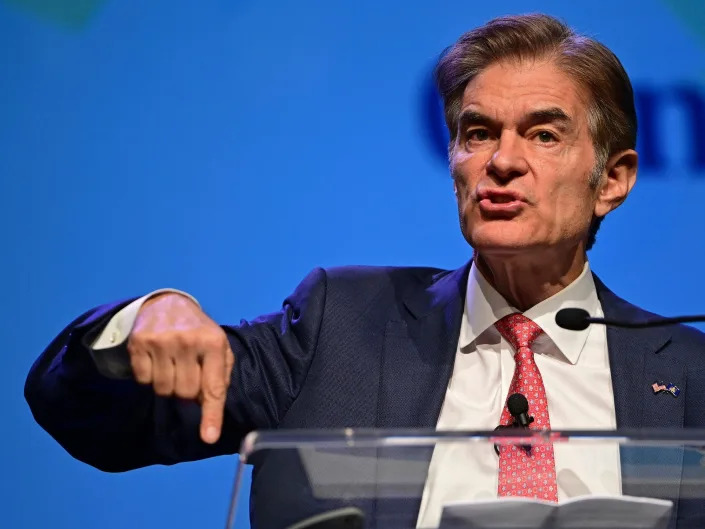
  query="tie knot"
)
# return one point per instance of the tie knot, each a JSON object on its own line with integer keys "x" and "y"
{"x": 518, "y": 330}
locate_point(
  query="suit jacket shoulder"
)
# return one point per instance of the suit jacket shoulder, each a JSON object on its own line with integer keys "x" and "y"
{"x": 682, "y": 336}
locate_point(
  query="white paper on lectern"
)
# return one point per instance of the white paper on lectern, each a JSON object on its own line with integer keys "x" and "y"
{"x": 584, "y": 512}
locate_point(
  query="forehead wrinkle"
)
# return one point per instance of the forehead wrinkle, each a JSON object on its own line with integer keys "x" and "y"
{"x": 506, "y": 85}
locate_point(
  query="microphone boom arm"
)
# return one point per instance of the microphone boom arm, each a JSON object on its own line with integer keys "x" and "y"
{"x": 648, "y": 323}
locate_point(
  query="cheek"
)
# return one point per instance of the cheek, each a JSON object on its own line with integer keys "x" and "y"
{"x": 572, "y": 207}
{"x": 466, "y": 171}
{"x": 573, "y": 197}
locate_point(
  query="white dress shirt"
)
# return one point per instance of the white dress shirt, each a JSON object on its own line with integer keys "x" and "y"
{"x": 120, "y": 326}
{"x": 576, "y": 373}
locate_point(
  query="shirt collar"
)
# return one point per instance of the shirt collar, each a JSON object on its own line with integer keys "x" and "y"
{"x": 484, "y": 306}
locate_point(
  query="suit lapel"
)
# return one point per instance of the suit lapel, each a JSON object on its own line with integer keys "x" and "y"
{"x": 638, "y": 358}
{"x": 419, "y": 351}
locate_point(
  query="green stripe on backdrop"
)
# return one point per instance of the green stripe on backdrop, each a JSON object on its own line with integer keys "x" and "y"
{"x": 691, "y": 13}
{"x": 73, "y": 14}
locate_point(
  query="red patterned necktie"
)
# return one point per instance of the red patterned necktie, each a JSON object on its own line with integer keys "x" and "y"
{"x": 521, "y": 472}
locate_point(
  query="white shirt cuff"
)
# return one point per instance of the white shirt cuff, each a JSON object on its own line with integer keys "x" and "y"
{"x": 120, "y": 326}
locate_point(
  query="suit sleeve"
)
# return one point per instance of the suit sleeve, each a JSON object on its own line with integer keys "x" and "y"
{"x": 117, "y": 424}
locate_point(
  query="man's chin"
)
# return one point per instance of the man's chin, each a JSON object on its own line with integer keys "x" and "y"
{"x": 501, "y": 241}
{"x": 497, "y": 249}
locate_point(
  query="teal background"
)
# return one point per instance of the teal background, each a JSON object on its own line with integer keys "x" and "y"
{"x": 228, "y": 147}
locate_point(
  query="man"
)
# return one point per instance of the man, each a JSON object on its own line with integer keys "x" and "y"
{"x": 543, "y": 130}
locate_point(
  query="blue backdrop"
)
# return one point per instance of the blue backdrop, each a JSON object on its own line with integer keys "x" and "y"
{"x": 227, "y": 147}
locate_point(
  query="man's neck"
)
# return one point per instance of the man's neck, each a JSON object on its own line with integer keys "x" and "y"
{"x": 526, "y": 279}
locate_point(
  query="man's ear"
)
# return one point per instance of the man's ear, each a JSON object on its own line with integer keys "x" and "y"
{"x": 617, "y": 181}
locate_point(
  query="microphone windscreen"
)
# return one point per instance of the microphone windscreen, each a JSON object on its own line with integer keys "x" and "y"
{"x": 517, "y": 404}
{"x": 573, "y": 319}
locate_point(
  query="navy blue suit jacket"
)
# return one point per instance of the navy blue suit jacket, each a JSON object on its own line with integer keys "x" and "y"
{"x": 351, "y": 347}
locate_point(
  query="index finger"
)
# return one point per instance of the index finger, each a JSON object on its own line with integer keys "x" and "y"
{"x": 214, "y": 390}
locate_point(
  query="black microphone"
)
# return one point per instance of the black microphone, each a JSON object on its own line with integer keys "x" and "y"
{"x": 579, "y": 319}
{"x": 518, "y": 407}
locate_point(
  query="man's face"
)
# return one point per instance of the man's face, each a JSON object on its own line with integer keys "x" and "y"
{"x": 523, "y": 160}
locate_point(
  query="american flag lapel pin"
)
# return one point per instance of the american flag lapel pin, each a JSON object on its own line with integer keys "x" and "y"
{"x": 660, "y": 387}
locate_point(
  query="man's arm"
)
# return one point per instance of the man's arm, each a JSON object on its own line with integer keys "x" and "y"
{"x": 118, "y": 424}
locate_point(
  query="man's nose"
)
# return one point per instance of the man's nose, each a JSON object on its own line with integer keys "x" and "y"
{"x": 509, "y": 159}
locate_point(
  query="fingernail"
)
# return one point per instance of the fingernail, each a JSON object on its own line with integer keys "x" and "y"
{"x": 211, "y": 434}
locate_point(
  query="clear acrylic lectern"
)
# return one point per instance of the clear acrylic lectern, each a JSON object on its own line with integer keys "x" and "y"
{"x": 363, "y": 478}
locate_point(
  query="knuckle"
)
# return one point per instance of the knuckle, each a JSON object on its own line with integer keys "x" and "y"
{"x": 212, "y": 342}
{"x": 186, "y": 339}
{"x": 148, "y": 339}
{"x": 215, "y": 390}
{"x": 190, "y": 341}
{"x": 174, "y": 339}
{"x": 185, "y": 354}
{"x": 169, "y": 339}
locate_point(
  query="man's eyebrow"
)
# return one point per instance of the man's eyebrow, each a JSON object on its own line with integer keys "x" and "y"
{"x": 553, "y": 115}
{"x": 473, "y": 117}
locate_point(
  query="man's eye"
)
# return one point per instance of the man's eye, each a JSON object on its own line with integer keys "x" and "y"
{"x": 478, "y": 135}
{"x": 545, "y": 137}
